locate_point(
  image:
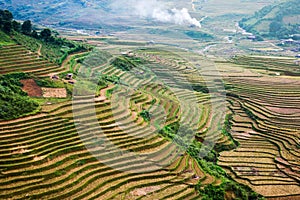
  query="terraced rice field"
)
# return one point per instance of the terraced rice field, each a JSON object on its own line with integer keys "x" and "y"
{"x": 113, "y": 154}
{"x": 100, "y": 147}
{"x": 16, "y": 58}
{"x": 285, "y": 65}
{"x": 265, "y": 122}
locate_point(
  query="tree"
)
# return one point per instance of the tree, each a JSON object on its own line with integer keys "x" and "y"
{"x": 5, "y": 20}
{"x": 34, "y": 34}
{"x": 1, "y": 21}
{"x": 7, "y": 26}
{"x": 26, "y": 27}
{"x": 6, "y": 15}
{"x": 46, "y": 34}
{"x": 16, "y": 26}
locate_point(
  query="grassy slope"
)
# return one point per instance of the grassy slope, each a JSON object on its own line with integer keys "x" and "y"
{"x": 55, "y": 53}
{"x": 5, "y": 39}
{"x": 14, "y": 102}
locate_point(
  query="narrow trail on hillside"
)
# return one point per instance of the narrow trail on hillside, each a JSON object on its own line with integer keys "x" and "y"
{"x": 39, "y": 51}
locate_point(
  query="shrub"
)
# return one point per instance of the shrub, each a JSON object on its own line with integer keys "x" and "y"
{"x": 13, "y": 101}
{"x": 145, "y": 115}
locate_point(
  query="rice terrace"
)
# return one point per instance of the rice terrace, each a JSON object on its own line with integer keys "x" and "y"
{"x": 150, "y": 99}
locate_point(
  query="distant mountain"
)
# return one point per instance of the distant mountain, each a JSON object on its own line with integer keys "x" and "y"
{"x": 57, "y": 12}
{"x": 276, "y": 21}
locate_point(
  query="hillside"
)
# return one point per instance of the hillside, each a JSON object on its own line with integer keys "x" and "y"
{"x": 58, "y": 10}
{"x": 90, "y": 14}
{"x": 27, "y": 55}
{"x": 279, "y": 21}
{"x": 57, "y": 154}
{"x": 44, "y": 42}
{"x": 141, "y": 101}
{"x": 137, "y": 120}
{"x": 59, "y": 159}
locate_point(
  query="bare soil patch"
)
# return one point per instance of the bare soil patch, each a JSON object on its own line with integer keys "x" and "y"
{"x": 144, "y": 191}
{"x": 31, "y": 88}
{"x": 54, "y": 92}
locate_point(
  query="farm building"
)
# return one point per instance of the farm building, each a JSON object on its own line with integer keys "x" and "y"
{"x": 288, "y": 41}
{"x": 151, "y": 42}
{"x": 251, "y": 37}
{"x": 69, "y": 76}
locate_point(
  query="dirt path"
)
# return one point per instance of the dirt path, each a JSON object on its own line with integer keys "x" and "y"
{"x": 40, "y": 49}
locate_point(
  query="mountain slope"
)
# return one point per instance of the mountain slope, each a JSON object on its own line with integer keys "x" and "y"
{"x": 280, "y": 21}
{"x": 52, "y": 12}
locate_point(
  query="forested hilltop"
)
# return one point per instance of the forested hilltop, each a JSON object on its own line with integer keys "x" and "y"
{"x": 275, "y": 21}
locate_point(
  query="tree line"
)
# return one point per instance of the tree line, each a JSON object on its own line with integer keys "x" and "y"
{"x": 8, "y": 25}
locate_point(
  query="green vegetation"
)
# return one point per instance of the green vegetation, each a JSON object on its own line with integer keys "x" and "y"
{"x": 17, "y": 58}
{"x": 198, "y": 35}
{"x": 226, "y": 131}
{"x": 145, "y": 114}
{"x": 26, "y": 27}
{"x": 200, "y": 88}
{"x": 13, "y": 101}
{"x": 277, "y": 21}
{"x": 44, "y": 157}
{"x": 5, "y": 39}
{"x": 55, "y": 49}
{"x": 48, "y": 83}
{"x": 109, "y": 92}
{"x": 123, "y": 63}
{"x": 207, "y": 160}
{"x": 76, "y": 61}
{"x": 218, "y": 192}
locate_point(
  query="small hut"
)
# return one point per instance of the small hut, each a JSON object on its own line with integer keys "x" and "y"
{"x": 69, "y": 76}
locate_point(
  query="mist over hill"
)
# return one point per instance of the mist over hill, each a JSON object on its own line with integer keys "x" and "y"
{"x": 99, "y": 13}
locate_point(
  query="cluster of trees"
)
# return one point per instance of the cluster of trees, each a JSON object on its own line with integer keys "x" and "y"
{"x": 8, "y": 24}
{"x": 145, "y": 114}
{"x": 6, "y": 21}
{"x": 14, "y": 102}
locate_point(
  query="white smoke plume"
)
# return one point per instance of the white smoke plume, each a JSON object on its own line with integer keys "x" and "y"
{"x": 158, "y": 11}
